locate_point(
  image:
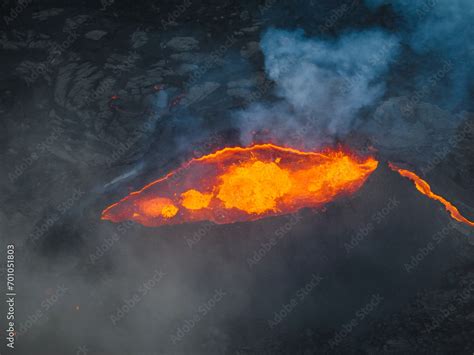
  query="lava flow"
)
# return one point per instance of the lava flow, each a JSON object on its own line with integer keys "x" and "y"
{"x": 422, "y": 186}
{"x": 244, "y": 184}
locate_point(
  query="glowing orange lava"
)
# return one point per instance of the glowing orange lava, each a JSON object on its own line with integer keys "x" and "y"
{"x": 244, "y": 184}
{"x": 422, "y": 186}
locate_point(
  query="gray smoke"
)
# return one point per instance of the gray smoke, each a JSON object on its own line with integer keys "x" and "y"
{"x": 321, "y": 85}
{"x": 440, "y": 31}
{"x": 406, "y": 89}
{"x": 425, "y": 116}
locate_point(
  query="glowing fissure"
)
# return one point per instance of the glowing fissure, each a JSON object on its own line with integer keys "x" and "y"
{"x": 422, "y": 186}
{"x": 244, "y": 184}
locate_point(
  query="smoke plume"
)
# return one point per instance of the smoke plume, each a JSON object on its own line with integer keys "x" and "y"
{"x": 321, "y": 85}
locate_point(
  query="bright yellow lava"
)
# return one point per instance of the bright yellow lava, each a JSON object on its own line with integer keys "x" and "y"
{"x": 238, "y": 184}
{"x": 254, "y": 187}
{"x": 258, "y": 187}
{"x": 331, "y": 177}
{"x": 195, "y": 200}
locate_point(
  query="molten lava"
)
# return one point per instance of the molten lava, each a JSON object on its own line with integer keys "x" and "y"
{"x": 422, "y": 186}
{"x": 244, "y": 184}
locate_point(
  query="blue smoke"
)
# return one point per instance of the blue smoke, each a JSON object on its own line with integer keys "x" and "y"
{"x": 322, "y": 84}
{"x": 441, "y": 31}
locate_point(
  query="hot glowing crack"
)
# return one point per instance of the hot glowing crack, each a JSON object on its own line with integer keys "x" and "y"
{"x": 422, "y": 186}
{"x": 244, "y": 184}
